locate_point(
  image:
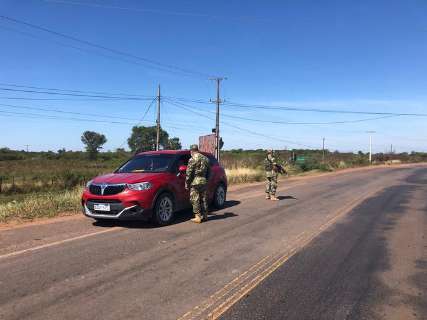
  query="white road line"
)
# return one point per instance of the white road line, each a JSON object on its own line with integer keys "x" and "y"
{"x": 47, "y": 245}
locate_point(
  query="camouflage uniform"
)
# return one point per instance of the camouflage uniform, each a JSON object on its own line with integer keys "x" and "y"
{"x": 197, "y": 182}
{"x": 271, "y": 174}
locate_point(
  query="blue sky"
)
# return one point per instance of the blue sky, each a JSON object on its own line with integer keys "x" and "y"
{"x": 346, "y": 55}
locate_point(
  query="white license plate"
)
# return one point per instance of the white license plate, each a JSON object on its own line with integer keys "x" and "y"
{"x": 101, "y": 207}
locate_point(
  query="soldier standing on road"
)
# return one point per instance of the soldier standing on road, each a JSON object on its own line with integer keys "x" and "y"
{"x": 271, "y": 173}
{"x": 197, "y": 182}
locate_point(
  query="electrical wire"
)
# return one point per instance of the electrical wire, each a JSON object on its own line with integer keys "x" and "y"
{"x": 164, "y": 12}
{"x": 140, "y": 120}
{"x": 58, "y": 99}
{"x": 35, "y": 115}
{"x": 66, "y": 112}
{"x": 74, "y": 91}
{"x": 292, "y": 122}
{"x": 150, "y": 63}
{"x": 116, "y": 58}
{"x": 258, "y": 106}
{"x": 237, "y": 127}
{"x": 73, "y": 94}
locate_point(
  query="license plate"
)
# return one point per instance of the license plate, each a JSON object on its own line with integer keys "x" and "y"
{"x": 101, "y": 207}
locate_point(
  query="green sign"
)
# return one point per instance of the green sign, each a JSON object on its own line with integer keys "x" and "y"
{"x": 300, "y": 159}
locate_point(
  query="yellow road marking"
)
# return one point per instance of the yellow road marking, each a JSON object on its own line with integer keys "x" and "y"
{"x": 47, "y": 245}
{"x": 233, "y": 284}
{"x": 266, "y": 266}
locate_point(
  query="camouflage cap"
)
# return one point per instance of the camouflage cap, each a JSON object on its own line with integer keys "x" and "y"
{"x": 194, "y": 147}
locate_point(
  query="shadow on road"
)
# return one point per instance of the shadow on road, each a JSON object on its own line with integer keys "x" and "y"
{"x": 181, "y": 216}
{"x": 286, "y": 197}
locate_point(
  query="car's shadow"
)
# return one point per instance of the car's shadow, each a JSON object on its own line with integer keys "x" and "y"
{"x": 181, "y": 216}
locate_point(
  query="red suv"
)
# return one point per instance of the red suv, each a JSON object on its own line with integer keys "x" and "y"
{"x": 149, "y": 185}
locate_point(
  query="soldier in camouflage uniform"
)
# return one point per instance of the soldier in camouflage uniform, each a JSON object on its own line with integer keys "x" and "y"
{"x": 197, "y": 182}
{"x": 271, "y": 174}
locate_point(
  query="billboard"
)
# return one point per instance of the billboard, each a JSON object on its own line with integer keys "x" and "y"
{"x": 207, "y": 143}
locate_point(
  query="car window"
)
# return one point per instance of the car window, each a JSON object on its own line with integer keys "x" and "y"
{"x": 148, "y": 163}
{"x": 212, "y": 160}
{"x": 182, "y": 161}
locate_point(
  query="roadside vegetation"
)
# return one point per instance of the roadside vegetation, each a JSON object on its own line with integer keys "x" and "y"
{"x": 44, "y": 184}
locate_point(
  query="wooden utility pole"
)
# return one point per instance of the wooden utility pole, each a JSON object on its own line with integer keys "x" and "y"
{"x": 218, "y": 101}
{"x": 158, "y": 119}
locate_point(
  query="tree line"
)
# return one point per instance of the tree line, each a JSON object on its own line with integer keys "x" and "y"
{"x": 142, "y": 139}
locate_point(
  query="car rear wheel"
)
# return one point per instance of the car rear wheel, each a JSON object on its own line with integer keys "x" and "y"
{"x": 164, "y": 210}
{"x": 220, "y": 197}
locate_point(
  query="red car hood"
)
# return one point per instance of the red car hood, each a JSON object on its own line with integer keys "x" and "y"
{"x": 117, "y": 178}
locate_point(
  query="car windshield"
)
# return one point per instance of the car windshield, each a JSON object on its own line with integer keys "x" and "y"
{"x": 148, "y": 163}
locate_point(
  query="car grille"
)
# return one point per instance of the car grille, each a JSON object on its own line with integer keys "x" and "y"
{"x": 109, "y": 189}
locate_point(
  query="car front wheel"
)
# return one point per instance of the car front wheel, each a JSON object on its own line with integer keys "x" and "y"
{"x": 220, "y": 197}
{"x": 164, "y": 210}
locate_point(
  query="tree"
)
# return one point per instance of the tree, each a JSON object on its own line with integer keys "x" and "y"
{"x": 174, "y": 144}
{"x": 93, "y": 141}
{"x": 144, "y": 139}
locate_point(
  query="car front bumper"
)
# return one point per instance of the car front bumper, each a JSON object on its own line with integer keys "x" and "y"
{"x": 119, "y": 212}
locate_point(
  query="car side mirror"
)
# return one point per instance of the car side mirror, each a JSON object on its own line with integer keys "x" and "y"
{"x": 182, "y": 169}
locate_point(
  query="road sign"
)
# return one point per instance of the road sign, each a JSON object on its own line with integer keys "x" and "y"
{"x": 207, "y": 143}
{"x": 300, "y": 159}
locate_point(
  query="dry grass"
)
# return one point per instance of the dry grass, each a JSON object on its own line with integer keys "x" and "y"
{"x": 40, "y": 205}
{"x": 244, "y": 175}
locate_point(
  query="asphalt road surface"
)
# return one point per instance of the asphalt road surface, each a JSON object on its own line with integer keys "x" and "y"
{"x": 349, "y": 245}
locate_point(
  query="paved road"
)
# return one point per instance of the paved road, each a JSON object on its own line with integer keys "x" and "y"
{"x": 344, "y": 246}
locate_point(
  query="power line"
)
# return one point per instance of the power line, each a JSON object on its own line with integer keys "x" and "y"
{"x": 117, "y": 58}
{"x": 237, "y": 127}
{"x": 150, "y": 63}
{"x": 97, "y": 115}
{"x": 66, "y": 112}
{"x": 164, "y": 12}
{"x": 258, "y": 106}
{"x": 140, "y": 120}
{"x": 114, "y": 94}
{"x": 35, "y": 115}
{"x": 73, "y": 94}
{"x": 295, "y": 123}
{"x": 74, "y": 91}
{"x": 59, "y": 99}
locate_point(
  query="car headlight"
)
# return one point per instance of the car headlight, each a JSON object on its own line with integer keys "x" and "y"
{"x": 139, "y": 186}
{"x": 88, "y": 184}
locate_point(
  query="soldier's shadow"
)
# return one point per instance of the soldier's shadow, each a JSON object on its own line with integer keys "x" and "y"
{"x": 286, "y": 197}
{"x": 214, "y": 214}
{"x": 225, "y": 215}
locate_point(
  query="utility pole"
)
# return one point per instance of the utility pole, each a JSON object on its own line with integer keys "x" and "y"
{"x": 323, "y": 150}
{"x": 27, "y": 145}
{"x": 370, "y": 145}
{"x": 158, "y": 119}
{"x": 218, "y": 101}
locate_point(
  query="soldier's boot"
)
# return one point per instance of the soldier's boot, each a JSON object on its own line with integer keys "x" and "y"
{"x": 205, "y": 217}
{"x": 273, "y": 198}
{"x": 267, "y": 197}
{"x": 197, "y": 218}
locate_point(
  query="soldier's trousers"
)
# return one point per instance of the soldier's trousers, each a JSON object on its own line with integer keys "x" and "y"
{"x": 199, "y": 200}
{"x": 271, "y": 185}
